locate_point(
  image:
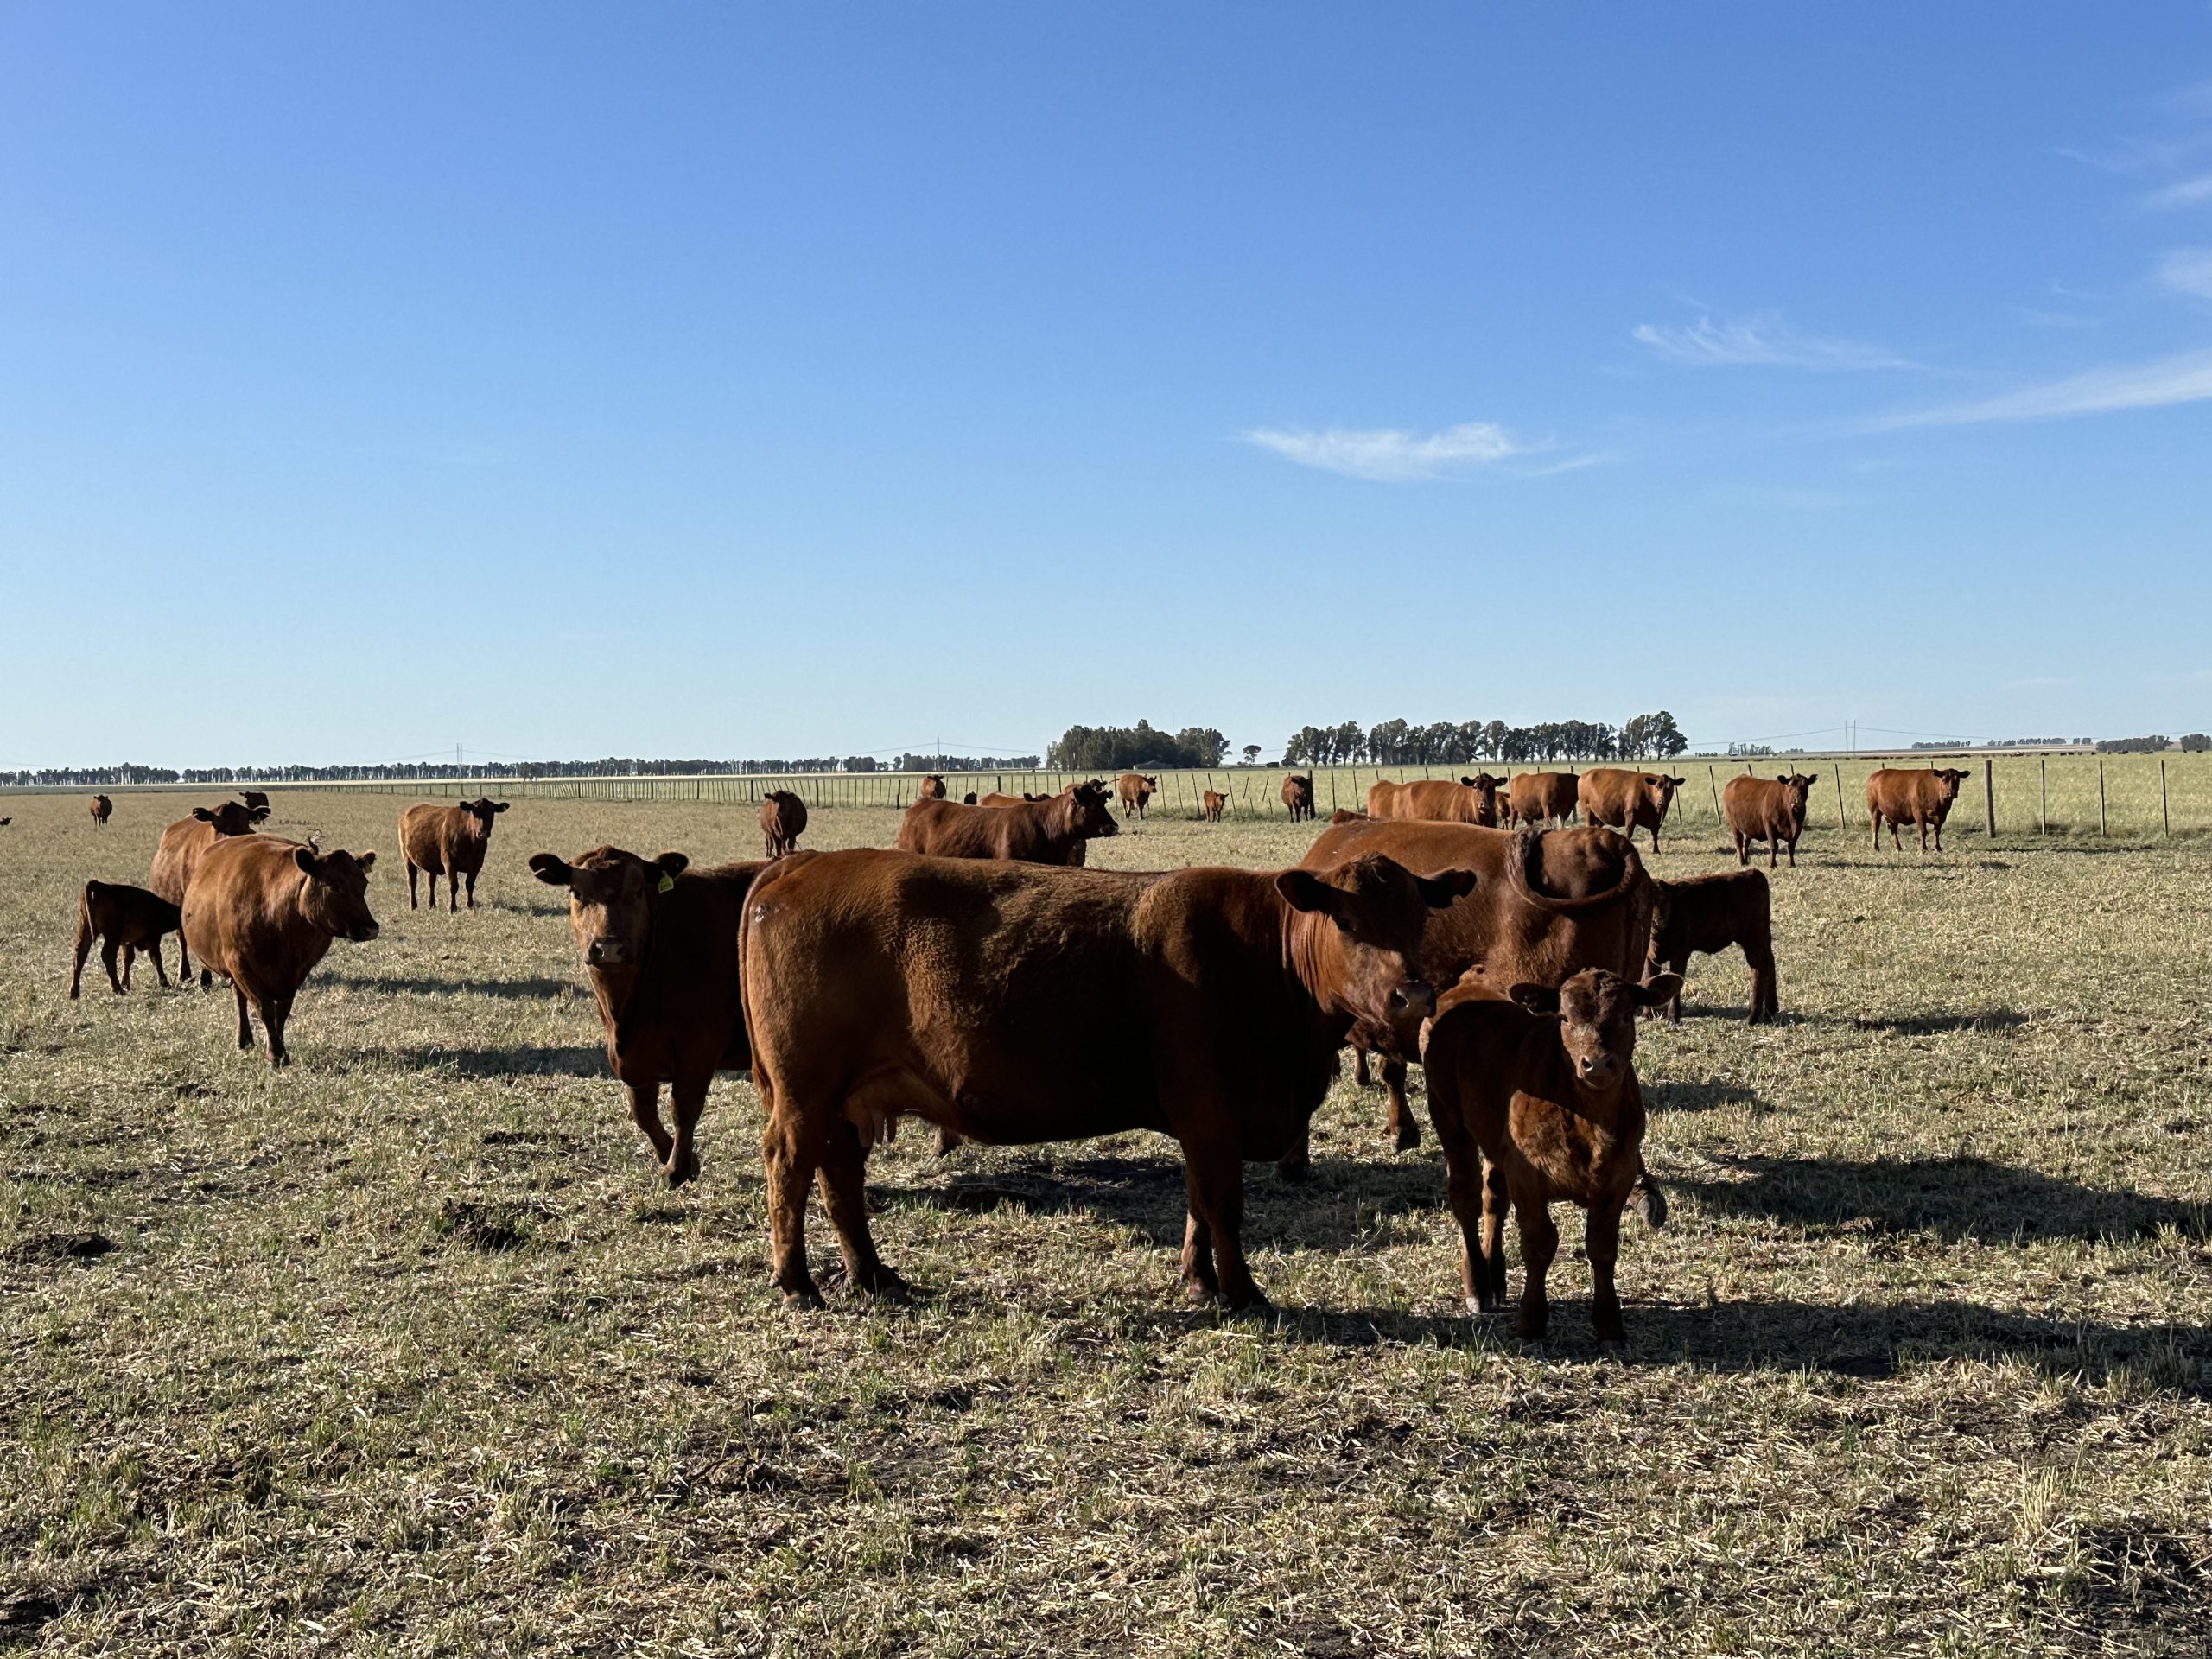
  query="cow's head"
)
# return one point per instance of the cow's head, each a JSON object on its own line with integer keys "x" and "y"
{"x": 482, "y": 811}
{"x": 231, "y": 817}
{"x": 610, "y": 895}
{"x": 1595, "y": 1012}
{"x": 1084, "y": 810}
{"x": 1379, "y": 910}
{"x": 1660, "y": 788}
{"x": 1952, "y": 778}
{"x": 1796, "y": 792}
{"x": 335, "y": 895}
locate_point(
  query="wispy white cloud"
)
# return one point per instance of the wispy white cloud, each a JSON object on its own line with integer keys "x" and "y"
{"x": 1390, "y": 456}
{"x": 2184, "y": 379}
{"x": 2184, "y": 193}
{"x": 1764, "y": 339}
{"x": 2188, "y": 270}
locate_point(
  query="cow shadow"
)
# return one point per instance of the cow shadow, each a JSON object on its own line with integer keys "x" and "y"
{"x": 514, "y": 1059}
{"x": 1929, "y": 1024}
{"x": 1699, "y": 1094}
{"x": 530, "y": 989}
{"x": 1956, "y": 1199}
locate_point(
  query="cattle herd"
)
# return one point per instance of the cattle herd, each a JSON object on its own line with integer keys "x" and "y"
{"x": 980, "y": 978}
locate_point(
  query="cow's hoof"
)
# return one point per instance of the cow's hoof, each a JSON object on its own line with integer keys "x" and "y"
{"x": 680, "y": 1172}
{"x": 887, "y": 1287}
{"x": 1611, "y": 1347}
{"x": 1254, "y": 1305}
{"x": 1408, "y": 1138}
{"x": 1199, "y": 1293}
{"x": 803, "y": 1297}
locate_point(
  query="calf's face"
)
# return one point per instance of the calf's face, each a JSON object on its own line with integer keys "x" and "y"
{"x": 611, "y": 896}
{"x": 335, "y": 895}
{"x": 1380, "y": 910}
{"x": 1597, "y": 1019}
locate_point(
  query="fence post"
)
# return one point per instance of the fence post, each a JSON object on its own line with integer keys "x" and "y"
{"x": 2043, "y": 800}
{"x": 1989, "y": 790}
{"x": 2166, "y": 816}
{"x": 1712, "y": 784}
{"x": 2100, "y": 797}
{"x": 1839, "y": 823}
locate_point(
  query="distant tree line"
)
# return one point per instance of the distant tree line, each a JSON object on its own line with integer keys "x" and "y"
{"x": 410, "y": 770}
{"x": 2133, "y": 744}
{"x": 1402, "y": 743}
{"x": 1116, "y": 748}
{"x": 958, "y": 763}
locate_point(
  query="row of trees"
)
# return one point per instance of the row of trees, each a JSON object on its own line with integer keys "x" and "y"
{"x": 1402, "y": 743}
{"x": 1116, "y": 748}
{"x": 953, "y": 763}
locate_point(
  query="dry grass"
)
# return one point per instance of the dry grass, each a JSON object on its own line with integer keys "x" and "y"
{"x": 405, "y": 1352}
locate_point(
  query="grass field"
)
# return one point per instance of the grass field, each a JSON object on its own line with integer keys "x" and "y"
{"x": 406, "y": 1350}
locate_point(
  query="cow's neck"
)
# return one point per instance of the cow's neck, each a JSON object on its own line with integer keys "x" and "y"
{"x": 1312, "y": 949}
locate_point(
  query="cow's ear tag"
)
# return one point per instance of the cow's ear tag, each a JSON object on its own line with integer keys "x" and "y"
{"x": 668, "y": 884}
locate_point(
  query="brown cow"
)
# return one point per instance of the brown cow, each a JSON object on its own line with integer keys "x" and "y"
{"x": 1297, "y": 795}
{"x": 659, "y": 945}
{"x": 783, "y": 819}
{"x": 1628, "y": 801}
{"x": 262, "y": 911}
{"x": 1050, "y": 831}
{"x": 1016, "y": 1006}
{"x": 183, "y": 844}
{"x": 448, "y": 840}
{"x": 1707, "y": 914}
{"x": 1536, "y": 1100}
{"x": 1905, "y": 795}
{"x": 1772, "y": 812}
{"x": 1438, "y": 800}
{"x": 254, "y": 798}
{"x": 126, "y": 920}
{"x": 932, "y": 788}
{"x": 102, "y": 809}
{"x": 1544, "y": 798}
{"x": 1550, "y": 904}
{"x": 1135, "y": 789}
{"x": 1211, "y": 805}
{"x": 998, "y": 799}
{"x": 1348, "y": 815}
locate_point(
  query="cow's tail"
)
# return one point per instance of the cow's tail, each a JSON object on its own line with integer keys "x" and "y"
{"x": 85, "y": 919}
{"x": 1649, "y": 1196}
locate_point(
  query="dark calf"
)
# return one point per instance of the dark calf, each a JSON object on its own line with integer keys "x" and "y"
{"x": 125, "y": 919}
{"x": 1707, "y": 916}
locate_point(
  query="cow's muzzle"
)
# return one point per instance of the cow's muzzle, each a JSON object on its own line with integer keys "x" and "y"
{"x": 1412, "y": 1000}
{"x": 607, "y": 953}
{"x": 1598, "y": 1069}
{"x": 364, "y": 933}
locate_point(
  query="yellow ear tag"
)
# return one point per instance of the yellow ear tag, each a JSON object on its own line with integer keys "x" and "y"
{"x": 668, "y": 884}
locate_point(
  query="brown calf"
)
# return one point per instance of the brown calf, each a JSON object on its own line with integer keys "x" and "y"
{"x": 1050, "y": 831}
{"x": 1135, "y": 789}
{"x": 1348, "y": 815}
{"x": 932, "y": 788}
{"x": 1211, "y": 805}
{"x": 1627, "y": 801}
{"x": 1903, "y": 796}
{"x": 1297, "y": 795}
{"x": 183, "y": 844}
{"x": 126, "y": 920}
{"x": 1707, "y": 914}
{"x": 1772, "y": 812}
{"x": 262, "y": 912}
{"x": 1543, "y": 798}
{"x": 102, "y": 809}
{"x": 783, "y": 819}
{"x": 448, "y": 840}
{"x": 1536, "y": 1100}
{"x": 659, "y": 945}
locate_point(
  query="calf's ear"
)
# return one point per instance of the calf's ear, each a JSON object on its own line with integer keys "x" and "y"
{"x": 258, "y": 813}
{"x": 550, "y": 868}
{"x": 366, "y": 861}
{"x": 1537, "y": 998}
{"x": 498, "y": 806}
{"x": 203, "y": 815}
{"x": 1659, "y": 990}
{"x": 1439, "y": 891}
{"x": 673, "y": 864}
{"x": 1303, "y": 890}
{"x": 309, "y": 863}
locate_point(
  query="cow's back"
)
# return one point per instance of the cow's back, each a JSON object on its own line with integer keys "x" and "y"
{"x": 175, "y": 859}
{"x": 1755, "y": 806}
{"x": 1538, "y": 795}
{"x": 242, "y": 916}
{"x": 426, "y": 835}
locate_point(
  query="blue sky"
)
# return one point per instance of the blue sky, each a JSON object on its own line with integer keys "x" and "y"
{"x": 706, "y": 379}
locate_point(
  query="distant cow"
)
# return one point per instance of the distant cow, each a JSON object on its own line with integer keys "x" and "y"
{"x": 254, "y": 798}
{"x": 1627, "y": 801}
{"x": 996, "y": 798}
{"x": 1211, "y": 805}
{"x": 1050, "y": 831}
{"x": 1297, "y": 795}
{"x": 1544, "y": 798}
{"x": 1348, "y": 815}
{"x": 1706, "y": 915}
{"x": 125, "y": 919}
{"x": 932, "y": 788}
{"x": 1016, "y": 1006}
{"x": 1438, "y": 800}
{"x": 1536, "y": 1100}
{"x": 183, "y": 844}
{"x": 262, "y": 912}
{"x": 782, "y": 817}
{"x": 659, "y": 945}
{"x": 448, "y": 840}
{"x": 1772, "y": 812}
{"x": 1905, "y": 795}
{"x": 1135, "y": 789}
{"x": 101, "y": 809}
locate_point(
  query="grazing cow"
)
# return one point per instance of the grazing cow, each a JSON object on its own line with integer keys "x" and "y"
{"x": 1438, "y": 800}
{"x": 1628, "y": 801}
{"x": 1707, "y": 914}
{"x": 1211, "y": 805}
{"x": 1771, "y": 812}
{"x": 101, "y": 809}
{"x": 262, "y": 911}
{"x": 1544, "y": 798}
{"x": 1135, "y": 789}
{"x": 183, "y": 844}
{"x": 1050, "y": 831}
{"x": 659, "y": 945}
{"x": 1536, "y": 1100}
{"x": 1348, "y": 815}
{"x": 998, "y": 799}
{"x": 932, "y": 788}
{"x": 1904, "y": 795}
{"x": 1550, "y": 904}
{"x": 1297, "y": 795}
{"x": 448, "y": 840}
{"x": 126, "y": 920}
{"x": 1015, "y": 1006}
{"x": 783, "y": 818}
{"x": 254, "y": 798}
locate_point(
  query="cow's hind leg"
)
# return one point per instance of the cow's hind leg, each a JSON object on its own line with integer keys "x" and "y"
{"x": 789, "y": 1152}
{"x": 1359, "y": 1066}
{"x": 154, "y": 950}
{"x": 843, "y": 1177}
{"x": 1405, "y": 1127}
{"x": 246, "y": 1025}
{"x": 413, "y": 870}
{"x": 129, "y": 961}
{"x": 469, "y": 881}
{"x": 109, "y": 950}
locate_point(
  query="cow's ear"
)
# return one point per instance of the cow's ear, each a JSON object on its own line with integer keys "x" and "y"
{"x": 673, "y": 864}
{"x": 1659, "y": 990}
{"x": 366, "y": 861}
{"x": 498, "y": 806}
{"x": 1439, "y": 891}
{"x": 309, "y": 863}
{"x": 1812, "y": 778}
{"x": 1303, "y": 890}
{"x": 550, "y": 868}
{"x": 1537, "y": 998}
{"x": 203, "y": 815}
{"x": 256, "y": 814}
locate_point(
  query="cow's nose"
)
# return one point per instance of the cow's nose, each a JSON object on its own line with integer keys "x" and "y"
{"x": 1414, "y": 999}
{"x": 369, "y": 931}
{"x": 1597, "y": 1068}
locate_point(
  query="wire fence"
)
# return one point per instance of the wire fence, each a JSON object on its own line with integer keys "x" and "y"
{"x": 2132, "y": 795}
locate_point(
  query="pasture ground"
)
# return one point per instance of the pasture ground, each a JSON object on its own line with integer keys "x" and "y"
{"x": 407, "y": 1350}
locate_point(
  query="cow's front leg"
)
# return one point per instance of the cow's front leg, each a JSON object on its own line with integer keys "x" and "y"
{"x": 645, "y": 1112}
{"x": 1213, "y": 1175}
{"x": 1405, "y": 1127}
{"x": 246, "y": 1025}
{"x": 687, "y": 1099}
{"x": 1539, "y": 1244}
{"x": 1601, "y": 1242}
{"x": 1199, "y": 1284}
